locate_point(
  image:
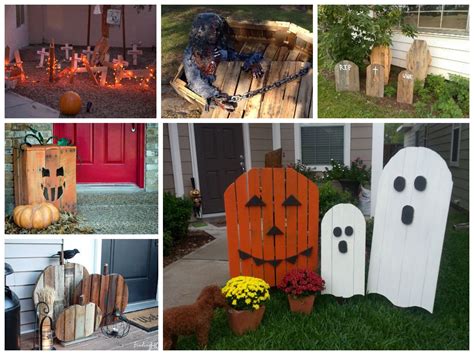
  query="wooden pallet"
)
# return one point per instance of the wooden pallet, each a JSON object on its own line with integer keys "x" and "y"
{"x": 287, "y": 48}
{"x": 78, "y": 321}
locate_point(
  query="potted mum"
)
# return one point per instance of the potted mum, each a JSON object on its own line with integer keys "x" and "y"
{"x": 245, "y": 296}
{"x": 301, "y": 287}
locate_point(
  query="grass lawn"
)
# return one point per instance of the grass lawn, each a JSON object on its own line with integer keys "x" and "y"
{"x": 369, "y": 322}
{"x": 176, "y": 22}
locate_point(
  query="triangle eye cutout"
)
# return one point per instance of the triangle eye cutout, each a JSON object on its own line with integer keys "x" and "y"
{"x": 255, "y": 201}
{"x": 274, "y": 231}
{"x": 291, "y": 201}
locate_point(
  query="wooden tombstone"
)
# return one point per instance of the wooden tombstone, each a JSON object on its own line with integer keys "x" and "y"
{"x": 46, "y": 173}
{"x": 274, "y": 158}
{"x": 406, "y": 83}
{"x": 78, "y": 321}
{"x": 272, "y": 223}
{"x": 375, "y": 80}
{"x": 410, "y": 221}
{"x": 343, "y": 251}
{"x": 63, "y": 279}
{"x": 347, "y": 76}
{"x": 382, "y": 55}
{"x": 419, "y": 59}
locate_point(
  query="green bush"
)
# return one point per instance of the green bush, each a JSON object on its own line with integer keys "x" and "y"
{"x": 358, "y": 171}
{"x": 304, "y": 170}
{"x": 330, "y": 196}
{"x": 177, "y": 212}
{"x": 390, "y": 91}
{"x": 369, "y": 231}
{"x": 167, "y": 243}
{"x": 459, "y": 89}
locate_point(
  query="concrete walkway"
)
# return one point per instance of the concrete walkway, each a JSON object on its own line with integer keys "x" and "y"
{"x": 118, "y": 210}
{"x": 184, "y": 279}
{"x": 17, "y": 106}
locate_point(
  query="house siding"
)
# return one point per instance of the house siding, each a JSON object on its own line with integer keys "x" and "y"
{"x": 28, "y": 259}
{"x": 361, "y": 142}
{"x": 287, "y": 134}
{"x": 186, "y": 162}
{"x": 438, "y": 138}
{"x": 168, "y": 180}
{"x": 16, "y": 38}
{"x": 261, "y": 142}
{"x": 450, "y": 53}
{"x": 151, "y": 158}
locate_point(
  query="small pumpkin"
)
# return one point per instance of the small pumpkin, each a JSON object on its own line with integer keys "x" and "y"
{"x": 37, "y": 216}
{"x": 70, "y": 103}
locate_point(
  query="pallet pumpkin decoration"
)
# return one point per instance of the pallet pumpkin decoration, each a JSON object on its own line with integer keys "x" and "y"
{"x": 38, "y": 216}
{"x": 108, "y": 291}
{"x": 45, "y": 173}
{"x": 410, "y": 220}
{"x": 272, "y": 223}
{"x": 343, "y": 251}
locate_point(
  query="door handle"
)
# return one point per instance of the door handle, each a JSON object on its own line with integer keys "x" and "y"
{"x": 134, "y": 127}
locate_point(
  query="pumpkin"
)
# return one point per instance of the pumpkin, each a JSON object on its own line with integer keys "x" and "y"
{"x": 70, "y": 103}
{"x": 37, "y": 216}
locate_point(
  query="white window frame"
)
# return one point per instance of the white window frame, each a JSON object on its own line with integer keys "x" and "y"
{"x": 347, "y": 143}
{"x": 454, "y": 127}
{"x": 440, "y": 29}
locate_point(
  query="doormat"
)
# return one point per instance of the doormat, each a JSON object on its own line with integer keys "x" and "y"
{"x": 146, "y": 319}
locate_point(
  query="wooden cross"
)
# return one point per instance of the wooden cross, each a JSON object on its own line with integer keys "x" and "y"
{"x": 74, "y": 59}
{"x": 19, "y": 64}
{"x": 88, "y": 53}
{"x": 135, "y": 52}
{"x": 66, "y": 48}
{"x": 375, "y": 70}
{"x": 43, "y": 54}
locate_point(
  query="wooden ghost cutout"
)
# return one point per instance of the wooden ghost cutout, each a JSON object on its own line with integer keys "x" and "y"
{"x": 343, "y": 251}
{"x": 410, "y": 221}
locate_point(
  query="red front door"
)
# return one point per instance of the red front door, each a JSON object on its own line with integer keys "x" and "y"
{"x": 106, "y": 152}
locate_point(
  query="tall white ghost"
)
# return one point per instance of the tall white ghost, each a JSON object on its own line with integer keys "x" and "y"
{"x": 343, "y": 251}
{"x": 411, "y": 211}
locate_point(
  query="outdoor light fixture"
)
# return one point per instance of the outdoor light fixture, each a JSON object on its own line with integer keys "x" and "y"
{"x": 116, "y": 325}
{"x": 97, "y": 10}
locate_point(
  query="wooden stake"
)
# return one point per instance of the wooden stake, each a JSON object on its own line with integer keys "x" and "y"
{"x": 52, "y": 59}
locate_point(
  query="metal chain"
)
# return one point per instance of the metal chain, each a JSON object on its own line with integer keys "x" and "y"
{"x": 275, "y": 85}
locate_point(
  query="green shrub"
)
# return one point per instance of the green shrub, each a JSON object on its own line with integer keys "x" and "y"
{"x": 358, "y": 171}
{"x": 304, "y": 170}
{"x": 447, "y": 107}
{"x": 459, "y": 89}
{"x": 390, "y": 91}
{"x": 177, "y": 212}
{"x": 330, "y": 196}
{"x": 369, "y": 231}
{"x": 167, "y": 243}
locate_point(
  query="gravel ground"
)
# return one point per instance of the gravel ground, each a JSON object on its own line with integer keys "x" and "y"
{"x": 127, "y": 101}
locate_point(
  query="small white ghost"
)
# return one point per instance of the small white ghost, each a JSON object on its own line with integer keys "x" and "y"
{"x": 411, "y": 211}
{"x": 343, "y": 251}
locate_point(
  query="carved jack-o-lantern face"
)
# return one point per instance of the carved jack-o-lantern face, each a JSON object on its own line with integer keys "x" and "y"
{"x": 53, "y": 178}
{"x": 272, "y": 223}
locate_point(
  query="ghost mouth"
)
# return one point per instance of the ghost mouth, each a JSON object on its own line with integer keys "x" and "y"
{"x": 408, "y": 214}
{"x": 275, "y": 262}
{"x": 342, "y": 245}
{"x": 52, "y": 193}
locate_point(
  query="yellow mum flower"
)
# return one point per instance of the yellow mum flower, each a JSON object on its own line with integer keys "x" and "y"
{"x": 234, "y": 303}
{"x": 256, "y": 306}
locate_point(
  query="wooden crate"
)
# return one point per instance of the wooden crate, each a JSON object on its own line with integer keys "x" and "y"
{"x": 280, "y": 42}
{"x": 32, "y": 165}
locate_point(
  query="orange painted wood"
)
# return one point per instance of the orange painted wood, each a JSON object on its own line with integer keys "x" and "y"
{"x": 28, "y": 165}
{"x": 255, "y": 225}
{"x": 251, "y": 248}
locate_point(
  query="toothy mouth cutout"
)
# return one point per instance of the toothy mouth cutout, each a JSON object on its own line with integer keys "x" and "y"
{"x": 50, "y": 195}
{"x": 274, "y": 262}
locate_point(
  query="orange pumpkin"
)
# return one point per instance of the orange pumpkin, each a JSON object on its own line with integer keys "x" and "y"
{"x": 37, "y": 216}
{"x": 70, "y": 103}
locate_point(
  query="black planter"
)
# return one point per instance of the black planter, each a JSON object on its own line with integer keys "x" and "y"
{"x": 12, "y": 315}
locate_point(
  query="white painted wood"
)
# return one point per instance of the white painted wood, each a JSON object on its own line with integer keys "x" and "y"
{"x": 276, "y": 136}
{"x": 39, "y": 250}
{"x": 405, "y": 259}
{"x": 247, "y": 146}
{"x": 42, "y": 53}
{"x": 377, "y": 162}
{"x": 67, "y": 48}
{"x": 135, "y": 52}
{"x": 193, "y": 151}
{"x": 176, "y": 159}
{"x": 88, "y": 52}
{"x": 344, "y": 273}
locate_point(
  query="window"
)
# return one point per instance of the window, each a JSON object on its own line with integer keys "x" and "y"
{"x": 438, "y": 18}
{"x": 321, "y": 143}
{"x": 455, "y": 144}
{"x": 20, "y": 15}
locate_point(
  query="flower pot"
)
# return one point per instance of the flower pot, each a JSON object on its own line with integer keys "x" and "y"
{"x": 243, "y": 321}
{"x": 301, "y": 304}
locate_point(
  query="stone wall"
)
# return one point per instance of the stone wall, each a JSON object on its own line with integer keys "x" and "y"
{"x": 151, "y": 157}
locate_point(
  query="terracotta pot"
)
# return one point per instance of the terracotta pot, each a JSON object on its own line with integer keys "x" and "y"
{"x": 243, "y": 321}
{"x": 301, "y": 304}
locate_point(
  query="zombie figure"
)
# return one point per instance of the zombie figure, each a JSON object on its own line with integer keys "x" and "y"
{"x": 210, "y": 42}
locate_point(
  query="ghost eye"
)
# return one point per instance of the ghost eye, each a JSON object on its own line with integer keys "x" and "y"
{"x": 337, "y": 232}
{"x": 420, "y": 183}
{"x": 60, "y": 171}
{"x": 349, "y": 231}
{"x": 399, "y": 184}
{"x": 45, "y": 172}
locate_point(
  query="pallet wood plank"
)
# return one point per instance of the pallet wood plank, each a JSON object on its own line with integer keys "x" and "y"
{"x": 288, "y": 106}
{"x": 280, "y": 222}
{"x": 230, "y": 201}
{"x": 346, "y": 75}
{"x": 375, "y": 80}
{"x": 406, "y": 84}
{"x": 256, "y": 233}
{"x": 229, "y": 86}
{"x": 244, "y": 219}
{"x": 291, "y": 216}
{"x": 272, "y": 99}
{"x": 221, "y": 73}
{"x": 268, "y": 223}
{"x": 252, "y": 106}
{"x": 313, "y": 225}
{"x": 303, "y": 214}
{"x": 419, "y": 59}
{"x": 305, "y": 94}
{"x": 382, "y": 55}
{"x": 78, "y": 322}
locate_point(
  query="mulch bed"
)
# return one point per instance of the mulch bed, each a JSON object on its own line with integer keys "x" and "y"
{"x": 127, "y": 101}
{"x": 67, "y": 224}
{"x": 193, "y": 241}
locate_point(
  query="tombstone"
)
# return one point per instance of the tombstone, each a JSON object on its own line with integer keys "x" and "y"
{"x": 272, "y": 223}
{"x": 75, "y": 59}
{"x": 347, "y": 76}
{"x": 382, "y": 55}
{"x": 343, "y": 251}
{"x": 43, "y": 53}
{"x": 374, "y": 85}
{"x": 135, "y": 52}
{"x": 406, "y": 83}
{"x": 66, "y": 48}
{"x": 88, "y": 52}
{"x": 419, "y": 59}
{"x": 411, "y": 212}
